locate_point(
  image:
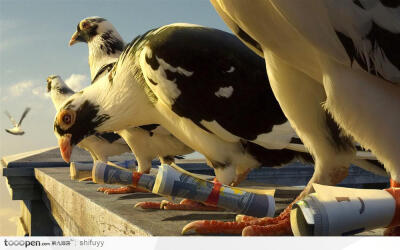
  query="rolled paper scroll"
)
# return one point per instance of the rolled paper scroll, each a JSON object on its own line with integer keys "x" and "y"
{"x": 342, "y": 211}
{"x": 173, "y": 183}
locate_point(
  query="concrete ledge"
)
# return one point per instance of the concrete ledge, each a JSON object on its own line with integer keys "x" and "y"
{"x": 81, "y": 211}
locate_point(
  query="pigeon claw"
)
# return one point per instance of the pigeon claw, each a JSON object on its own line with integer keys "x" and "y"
{"x": 279, "y": 229}
{"x": 214, "y": 227}
{"x": 120, "y": 190}
{"x": 148, "y": 205}
{"x": 245, "y": 218}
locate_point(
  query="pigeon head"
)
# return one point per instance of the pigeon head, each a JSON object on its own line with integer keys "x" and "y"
{"x": 56, "y": 83}
{"x": 89, "y": 28}
{"x": 77, "y": 119}
{"x": 58, "y": 89}
{"x": 92, "y": 27}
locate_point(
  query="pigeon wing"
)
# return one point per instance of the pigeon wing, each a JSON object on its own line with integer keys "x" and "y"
{"x": 11, "y": 118}
{"x": 23, "y": 116}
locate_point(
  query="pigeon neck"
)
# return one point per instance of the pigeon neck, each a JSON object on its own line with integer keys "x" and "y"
{"x": 104, "y": 49}
{"x": 125, "y": 102}
{"x": 58, "y": 97}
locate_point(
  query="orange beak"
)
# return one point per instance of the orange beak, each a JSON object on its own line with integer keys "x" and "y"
{"x": 74, "y": 38}
{"x": 64, "y": 143}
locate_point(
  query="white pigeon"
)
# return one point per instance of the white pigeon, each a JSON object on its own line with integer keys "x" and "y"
{"x": 100, "y": 145}
{"x": 148, "y": 141}
{"x": 16, "y": 130}
{"x": 342, "y": 57}
{"x": 214, "y": 97}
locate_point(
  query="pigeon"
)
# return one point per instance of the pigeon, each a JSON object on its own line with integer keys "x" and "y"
{"x": 16, "y": 130}
{"x": 337, "y": 57}
{"x": 100, "y": 145}
{"x": 215, "y": 97}
{"x": 148, "y": 141}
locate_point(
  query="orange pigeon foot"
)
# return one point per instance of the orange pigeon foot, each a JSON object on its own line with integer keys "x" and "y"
{"x": 245, "y": 225}
{"x": 120, "y": 190}
{"x": 394, "y": 229}
{"x": 185, "y": 204}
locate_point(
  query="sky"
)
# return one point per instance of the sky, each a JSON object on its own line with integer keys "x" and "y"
{"x": 34, "y": 38}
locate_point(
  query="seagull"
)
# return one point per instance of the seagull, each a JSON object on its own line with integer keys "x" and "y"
{"x": 215, "y": 97}
{"x": 16, "y": 130}
{"x": 148, "y": 141}
{"x": 337, "y": 57}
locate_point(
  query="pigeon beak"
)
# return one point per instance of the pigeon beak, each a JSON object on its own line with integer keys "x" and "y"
{"x": 64, "y": 143}
{"x": 74, "y": 39}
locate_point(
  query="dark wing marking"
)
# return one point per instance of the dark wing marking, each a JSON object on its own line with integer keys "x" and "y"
{"x": 65, "y": 90}
{"x": 149, "y": 127}
{"x": 180, "y": 157}
{"x": 105, "y": 68}
{"x": 109, "y": 137}
{"x": 111, "y": 44}
{"x": 370, "y": 35}
{"x": 23, "y": 116}
{"x": 209, "y": 61}
{"x": 390, "y": 3}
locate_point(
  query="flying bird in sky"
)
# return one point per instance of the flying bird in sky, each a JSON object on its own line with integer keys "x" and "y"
{"x": 148, "y": 141}
{"x": 201, "y": 84}
{"x": 16, "y": 130}
{"x": 337, "y": 57}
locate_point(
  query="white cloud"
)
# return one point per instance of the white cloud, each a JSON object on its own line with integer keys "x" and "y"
{"x": 19, "y": 88}
{"x": 77, "y": 82}
{"x": 40, "y": 91}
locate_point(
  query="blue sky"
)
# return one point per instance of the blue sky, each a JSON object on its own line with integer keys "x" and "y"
{"x": 34, "y": 39}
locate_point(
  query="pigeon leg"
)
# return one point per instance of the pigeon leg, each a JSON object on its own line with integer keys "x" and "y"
{"x": 394, "y": 229}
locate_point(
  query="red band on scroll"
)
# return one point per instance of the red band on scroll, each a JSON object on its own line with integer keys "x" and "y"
{"x": 394, "y": 190}
{"x": 135, "y": 178}
{"x": 214, "y": 195}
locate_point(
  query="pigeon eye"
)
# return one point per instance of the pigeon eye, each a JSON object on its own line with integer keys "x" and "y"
{"x": 85, "y": 25}
{"x": 67, "y": 119}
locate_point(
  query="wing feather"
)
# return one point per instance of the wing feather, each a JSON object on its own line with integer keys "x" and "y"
{"x": 11, "y": 118}
{"x": 211, "y": 78}
{"x": 362, "y": 33}
{"x": 23, "y": 115}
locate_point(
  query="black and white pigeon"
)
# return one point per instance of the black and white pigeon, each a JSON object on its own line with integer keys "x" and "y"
{"x": 201, "y": 84}
{"x": 148, "y": 141}
{"x": 100, "y": 145}
{"x": 327, "y": 56}
{"x": 16, "y": 130}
